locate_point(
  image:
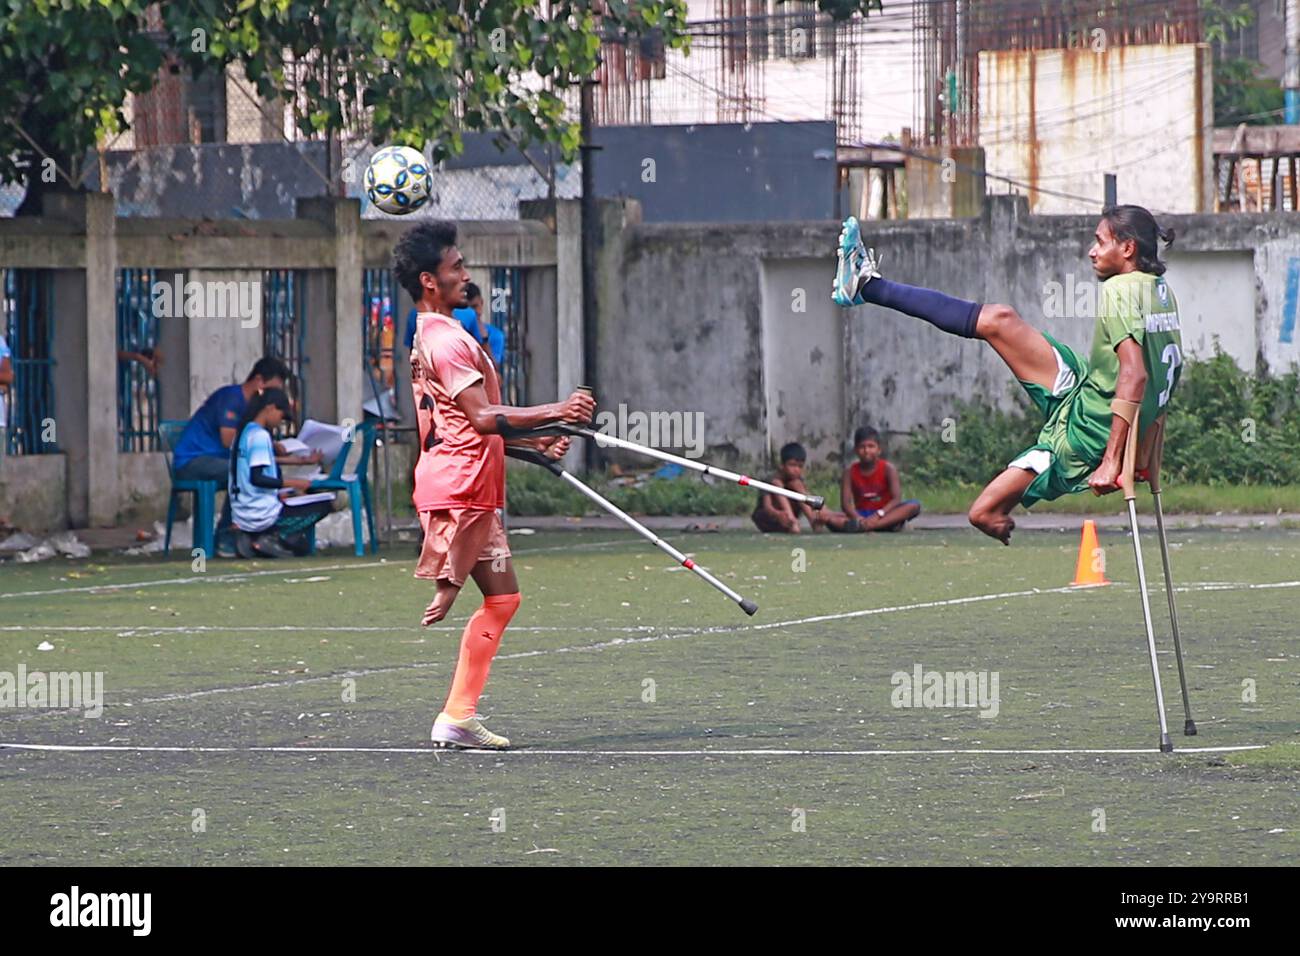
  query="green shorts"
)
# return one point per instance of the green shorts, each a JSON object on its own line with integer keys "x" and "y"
{"x": 1061, "y": 460}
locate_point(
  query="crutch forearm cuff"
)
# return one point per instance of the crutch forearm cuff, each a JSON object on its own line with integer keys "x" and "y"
{"x": 509, "y": 432}
{"x": 1125, "y": 409}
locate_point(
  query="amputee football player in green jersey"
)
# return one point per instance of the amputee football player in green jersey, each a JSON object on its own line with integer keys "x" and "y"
{"x": 1136, "y": 356}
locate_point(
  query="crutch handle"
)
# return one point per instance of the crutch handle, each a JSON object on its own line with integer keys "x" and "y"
{"x": 534, "y": 457}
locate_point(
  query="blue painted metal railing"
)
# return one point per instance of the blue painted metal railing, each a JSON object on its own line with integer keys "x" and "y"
{"x": 137, "y": 360}
{"x": 380, "y": 327}
{"x": 28, "y": 327}
{"x": 284, "y": 331}
{"x": 504, "y": 303}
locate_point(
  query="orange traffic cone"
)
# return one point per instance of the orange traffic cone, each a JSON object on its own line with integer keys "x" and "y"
{"x": 1090, "y": 571}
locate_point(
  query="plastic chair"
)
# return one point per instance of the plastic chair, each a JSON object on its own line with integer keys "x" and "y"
{"x": 204, "y": 492}
{"x": 356, "y": 484}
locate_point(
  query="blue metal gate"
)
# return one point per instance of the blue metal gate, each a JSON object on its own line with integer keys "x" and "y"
{"x": 28, "y": 326}
{"x": 505, "y": 307}
{"x": 137, "y": 362}
{"x": 284, "y": 332}
{"x": 379, "y": 331}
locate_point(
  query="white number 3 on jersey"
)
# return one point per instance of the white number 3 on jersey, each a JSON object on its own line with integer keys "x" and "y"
{"x": 1171, "y": 358}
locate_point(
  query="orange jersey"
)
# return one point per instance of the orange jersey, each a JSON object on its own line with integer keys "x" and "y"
{"x": 458, "y": 467}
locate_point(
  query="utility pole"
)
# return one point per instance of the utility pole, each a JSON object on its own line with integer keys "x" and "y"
{"x": 590, "y": 240}
{"x": 1291, "y": 80}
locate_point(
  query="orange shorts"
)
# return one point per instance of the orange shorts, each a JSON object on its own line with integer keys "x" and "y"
{"x": 456, "y": 540}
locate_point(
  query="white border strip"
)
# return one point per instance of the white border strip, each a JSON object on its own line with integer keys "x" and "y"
{"x": 527, "y": 752}
{"x": 656, "y": 635}
{"x": 197, "y": 579}
{"x": 149, "y": 630}
{"x": 296, "y": 569}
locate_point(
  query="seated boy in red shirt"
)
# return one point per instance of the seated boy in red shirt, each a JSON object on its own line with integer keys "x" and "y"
{"x": 778, "y": 514}
{"x": 870, "y": 493}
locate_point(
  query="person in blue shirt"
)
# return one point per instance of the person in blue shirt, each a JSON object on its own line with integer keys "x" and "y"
{"x": 6, "y": 379}
{"x": 471, "y": 320}
{"x": 265, "y": 527}
{"x": 203, "y": 451}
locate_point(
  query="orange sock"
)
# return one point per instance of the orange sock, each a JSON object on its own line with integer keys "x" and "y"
{"x": 478, "y": 645}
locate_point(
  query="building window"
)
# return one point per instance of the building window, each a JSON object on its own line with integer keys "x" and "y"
{"x": 652, "y": 60}
{"x": 790, "y": 29}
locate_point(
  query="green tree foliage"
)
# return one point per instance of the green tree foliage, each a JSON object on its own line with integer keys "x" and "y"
{"x": 403, "y": 71}
{"x": 66, "y": 67}
{"x": 415, "y": 72}
{"x": 1241, "y": 95}
{"x": 409, "y": 71}
{"x": 1227, "y": 427}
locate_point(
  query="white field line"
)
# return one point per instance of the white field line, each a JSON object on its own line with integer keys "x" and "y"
{"x": 197, "y": 579}
{"x": 241, "y": 575}
{"x": 582, "y": 546}
{"x": 659, "y": 635}
{"x": 651, "y": 638}
{"x": 526, "y": 752}
{"x": 145, "y": 630}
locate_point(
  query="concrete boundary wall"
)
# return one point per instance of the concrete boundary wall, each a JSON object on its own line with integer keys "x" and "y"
{"x": 730, "y": 321}
{"x": 90, "y": 482}
{"x": 701, "y": 317}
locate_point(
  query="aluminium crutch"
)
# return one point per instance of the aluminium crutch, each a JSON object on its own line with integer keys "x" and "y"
{"x": 1129, "y": 412}
{"x": 1153, "y": 457}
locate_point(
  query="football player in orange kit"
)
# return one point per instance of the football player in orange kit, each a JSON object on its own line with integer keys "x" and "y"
{"x": 460, "y": 476}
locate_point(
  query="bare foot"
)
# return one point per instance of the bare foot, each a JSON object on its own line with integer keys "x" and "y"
{"x": 1001, "y": 529}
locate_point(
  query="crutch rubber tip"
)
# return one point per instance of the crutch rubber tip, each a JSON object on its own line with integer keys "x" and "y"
{"x": 816, "y": 501}
{"x": 1189, "y": 728}
{"x": 1166, "y": 745}
{"x": 749, "y": 607}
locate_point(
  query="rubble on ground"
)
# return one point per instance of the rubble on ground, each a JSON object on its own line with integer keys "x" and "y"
{"x": 26, "y": 549}
{"x": 18, "y": 541}
{"x": 182, "y": 538}
{"x": 335, "y": 530}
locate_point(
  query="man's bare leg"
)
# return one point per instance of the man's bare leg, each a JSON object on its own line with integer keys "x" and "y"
{"x": 500, "y": 581}
{"x": 1027, "y": 353}
{"x": 458, "y": 724}
{"x": 991, "y": 512}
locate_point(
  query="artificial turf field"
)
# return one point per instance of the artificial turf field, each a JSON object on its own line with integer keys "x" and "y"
{"x": 256, "y": 655}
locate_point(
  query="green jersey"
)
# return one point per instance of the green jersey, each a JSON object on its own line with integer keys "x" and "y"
{"x": 1140, "y": 306}
{"x": 1077, "y": 413}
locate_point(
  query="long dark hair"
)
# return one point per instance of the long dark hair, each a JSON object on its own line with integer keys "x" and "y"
{"x": 276, "y": 397}
{"x": 1137, "y": 223}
